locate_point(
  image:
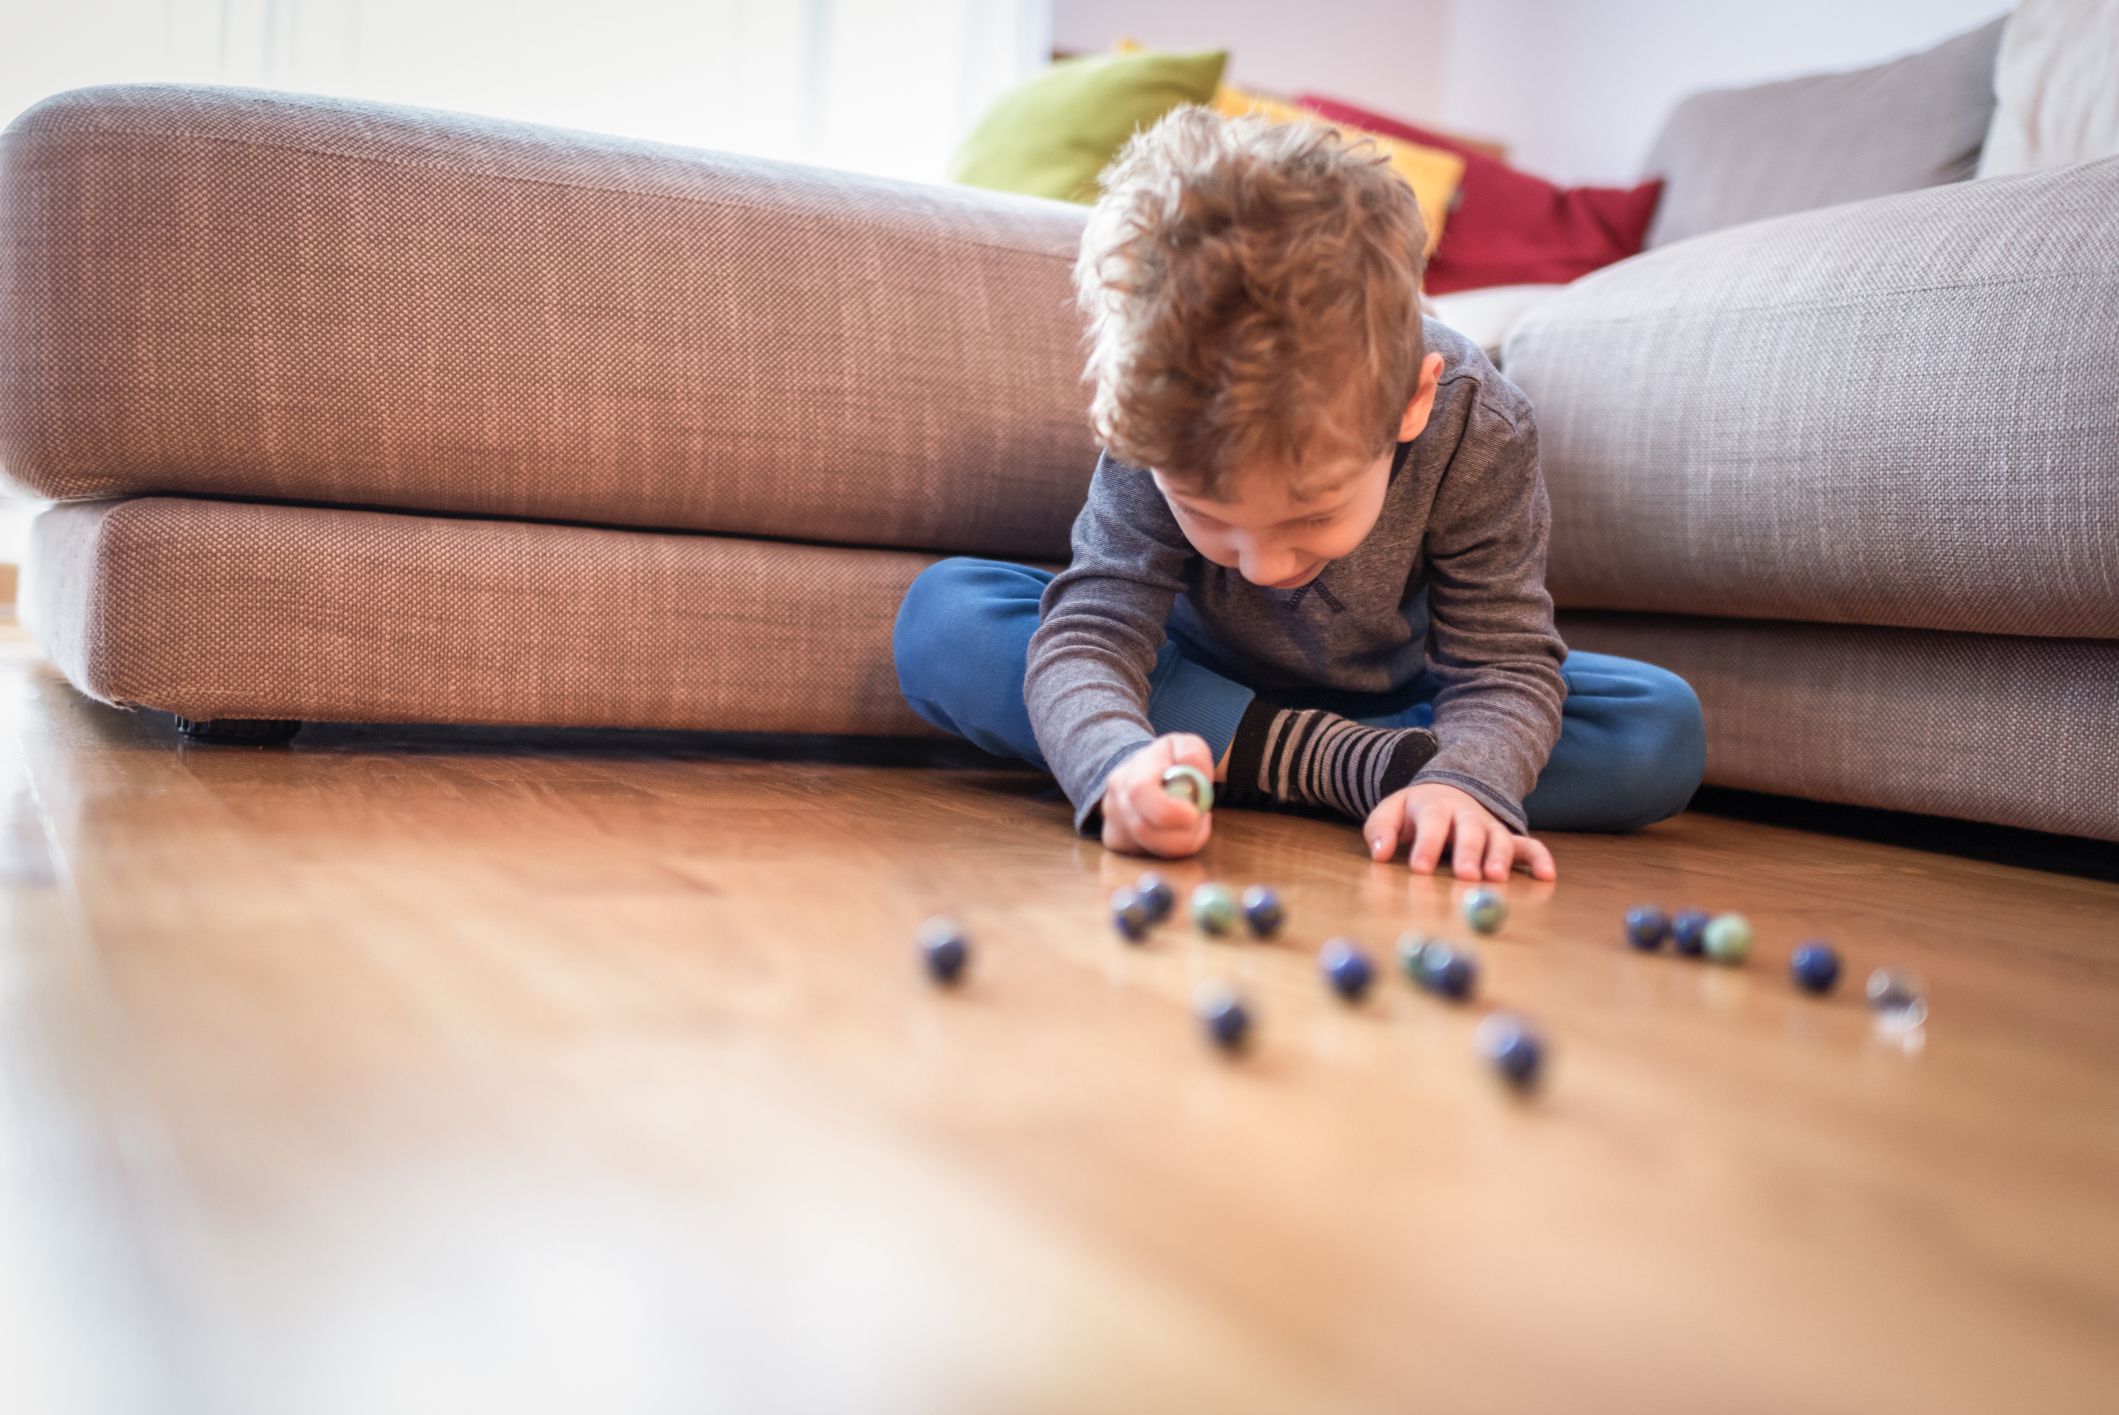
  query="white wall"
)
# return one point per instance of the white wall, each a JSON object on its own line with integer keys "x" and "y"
{"x": 1387, "y": 53}
{"x": 1579, "y": 90}
{"x": 873, "y": 85}
{"x": 1576, "y": 88}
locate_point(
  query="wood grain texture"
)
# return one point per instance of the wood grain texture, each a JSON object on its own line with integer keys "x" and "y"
{"x": 544, "y": 1071}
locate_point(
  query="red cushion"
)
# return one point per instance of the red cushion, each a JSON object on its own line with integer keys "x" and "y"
{"x": 1508, "y": 227}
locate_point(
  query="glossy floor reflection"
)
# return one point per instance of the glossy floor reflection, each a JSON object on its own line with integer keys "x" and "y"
{"x": 447, "y": 1071}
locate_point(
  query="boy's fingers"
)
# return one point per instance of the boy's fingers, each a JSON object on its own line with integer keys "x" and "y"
{"x": 1381, "y": 828}
{"x": 1430, "y": 834}
{"x": 1117, "y": 836}
{"x": 1471, "y": 845}
{"x": 1187, "y": 749}
{"x": 1175, "y": 841}
{"x": 1158, "y": 809}
{"x": 1118, "y": 820}
{"x": 1539, "y": 859}
{"x": 1500, "y": 853}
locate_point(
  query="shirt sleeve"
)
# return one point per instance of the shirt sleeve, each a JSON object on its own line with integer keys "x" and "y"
{"x": 1100, "y": 627}
{"x": 1491, "y": 639}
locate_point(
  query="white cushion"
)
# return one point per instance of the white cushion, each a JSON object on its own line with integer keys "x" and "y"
{"x": 2057, "y": 86}
{"x": 1485, "y": 316}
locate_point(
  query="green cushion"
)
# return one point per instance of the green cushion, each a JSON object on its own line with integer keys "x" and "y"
{"x": 1050, "y": 135}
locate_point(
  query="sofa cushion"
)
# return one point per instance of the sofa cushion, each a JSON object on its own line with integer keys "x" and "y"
{"x": 234, "y": 609}
{"x": 242, "y": 293}
{"x": 1509, "y": 227}
{"x": 1734, "y": 155}
{"x": 1486, "y": 316}
{"x": 2014, "y": 731}
{"x": 1433, "y": 173}
{"x": 1903, "y": 411}
{"x": 1052, "y": 134}
{"x": 2056, "y": 87}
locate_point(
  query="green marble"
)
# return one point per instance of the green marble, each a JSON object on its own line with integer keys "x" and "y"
{"x": 1728, "y": 938}
{"x": 1484, "y": 909}
{"x": 1214, "y": 908}
{"x": 1189, "y": 783}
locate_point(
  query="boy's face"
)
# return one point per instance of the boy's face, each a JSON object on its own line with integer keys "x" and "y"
{"x": 1271, "y": 538}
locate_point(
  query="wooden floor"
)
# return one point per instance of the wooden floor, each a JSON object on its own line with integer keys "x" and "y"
{"x": 447, "y": 1072}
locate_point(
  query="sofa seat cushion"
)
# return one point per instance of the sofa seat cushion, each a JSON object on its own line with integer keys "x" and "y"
{"x": 1986, "y": 727}
{"x": 1902, "y": 411}
{"x": 232, "y": 609}
{"x": 287, "y": 297}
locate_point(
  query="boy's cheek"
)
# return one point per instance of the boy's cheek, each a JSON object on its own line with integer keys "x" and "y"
{"x": 1213, "y": 550}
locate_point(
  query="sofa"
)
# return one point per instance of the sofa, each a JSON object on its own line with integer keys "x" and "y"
{"x": 360, "y": 412}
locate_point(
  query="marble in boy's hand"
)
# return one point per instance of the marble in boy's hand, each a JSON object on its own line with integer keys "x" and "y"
{"x": 1432, "y": 815}
{"x": 1140, "y": 817}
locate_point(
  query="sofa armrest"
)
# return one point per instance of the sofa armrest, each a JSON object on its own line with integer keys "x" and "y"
{"x": 237, "y": 292}
{"x": 1899, "y": 411}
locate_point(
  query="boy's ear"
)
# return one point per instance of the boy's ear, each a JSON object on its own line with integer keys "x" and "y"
{"x": 1423, "y": 403}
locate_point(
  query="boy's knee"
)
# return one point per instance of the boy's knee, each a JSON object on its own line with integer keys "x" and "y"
{"x": 1667, "y": 745}
{"x": 932, "y": 610}
{"x": 951, "y": 614}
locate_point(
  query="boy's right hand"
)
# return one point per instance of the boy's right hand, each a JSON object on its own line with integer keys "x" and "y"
{"x": 1140, "y": 818}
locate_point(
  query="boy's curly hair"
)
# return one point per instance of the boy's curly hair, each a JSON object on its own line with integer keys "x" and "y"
{"x": 1251, "y": 291}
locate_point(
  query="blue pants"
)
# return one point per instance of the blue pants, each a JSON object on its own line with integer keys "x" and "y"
{"x": 1632, "y": 744}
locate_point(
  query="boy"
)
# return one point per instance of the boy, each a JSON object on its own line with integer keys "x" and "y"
{"x": 1311, "y": 563}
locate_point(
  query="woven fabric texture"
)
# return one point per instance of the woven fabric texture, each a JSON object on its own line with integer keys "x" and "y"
{"x": 2014, "y": 731}
{"x": 279, "y": 296}
{"x": 1742, "y": 154}
{"x": 231, "y": 609}
{"x": 1902, "y": 412}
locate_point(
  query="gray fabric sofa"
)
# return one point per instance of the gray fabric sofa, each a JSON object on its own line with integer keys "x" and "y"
{"x": 1854, "y": 471}
{"x": 360, "y": 412}
{"x": 1855, "y": 474}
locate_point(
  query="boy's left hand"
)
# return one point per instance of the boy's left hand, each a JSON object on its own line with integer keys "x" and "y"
{"x": 1432, "y": 815}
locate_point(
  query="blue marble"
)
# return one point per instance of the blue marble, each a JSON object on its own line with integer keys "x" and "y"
{"x": 1647, "y": 927}
{"x": 1815, "y": 967}
{"x": 1347, "y": 968}
{"x": 944, "y": 949}
{"x": 1512, "y": 1047}
{"x": 1263, "y": 911}
{"x": 1130, "y": 915}
{"x": 1226, "y": 1020}
{"x": 1154, "y": 891}
{"x": 1448, "y": 972}
{"x": 1688, "y": 932}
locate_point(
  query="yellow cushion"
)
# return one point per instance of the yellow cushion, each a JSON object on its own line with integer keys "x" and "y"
{"x": 1432, "y": 173}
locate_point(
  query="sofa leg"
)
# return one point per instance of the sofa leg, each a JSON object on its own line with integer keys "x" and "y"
{"x": 240, "y": 731}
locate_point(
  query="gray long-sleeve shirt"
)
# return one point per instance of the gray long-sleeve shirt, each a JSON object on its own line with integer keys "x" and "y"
{"x": 1450, "y": 582}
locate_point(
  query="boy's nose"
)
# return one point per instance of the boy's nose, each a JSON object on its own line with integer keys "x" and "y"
{"x": 1270, "y": 570}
